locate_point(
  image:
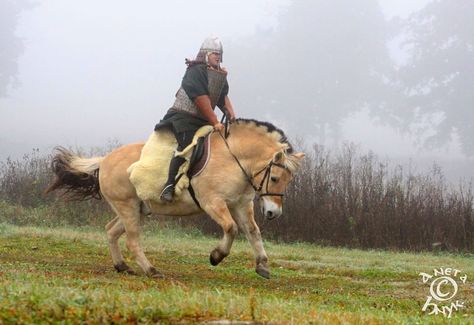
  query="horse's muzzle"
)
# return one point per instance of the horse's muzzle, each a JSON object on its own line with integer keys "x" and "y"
{"x": 270, "y": 209}
{"x": 270, "y": 216}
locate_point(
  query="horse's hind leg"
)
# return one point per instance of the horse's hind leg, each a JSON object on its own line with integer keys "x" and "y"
{"x": 219, "y": 212}
{"x": 246, "y": 221}
{"x": 129, "y": 214}
{"x": 115, "y": 229}
{"x": 111, "y": 223}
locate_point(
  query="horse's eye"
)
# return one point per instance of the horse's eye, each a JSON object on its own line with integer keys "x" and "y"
{"x": 274, "y": 179}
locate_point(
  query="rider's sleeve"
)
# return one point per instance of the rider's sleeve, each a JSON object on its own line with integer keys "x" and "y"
{"x": 195, "y": 81}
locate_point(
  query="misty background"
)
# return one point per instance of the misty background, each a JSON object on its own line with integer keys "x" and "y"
{"x": 395, "y": 77}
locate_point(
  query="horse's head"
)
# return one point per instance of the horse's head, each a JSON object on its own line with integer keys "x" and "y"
{"x": 274, "y": 180}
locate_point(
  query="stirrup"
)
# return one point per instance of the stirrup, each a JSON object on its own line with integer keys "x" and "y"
{"x": 167, "y": 193}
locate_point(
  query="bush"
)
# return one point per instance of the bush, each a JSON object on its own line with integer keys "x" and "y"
{"x": 343, "y": 199}
{"x": 22, "y": 201}
{"x": 349, "y": 199}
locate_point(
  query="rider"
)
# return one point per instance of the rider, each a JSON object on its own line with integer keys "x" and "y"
{"x": 204, "y": 87}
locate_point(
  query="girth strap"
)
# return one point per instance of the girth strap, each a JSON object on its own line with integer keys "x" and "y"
{"x": 193, "y": 194}
{"x": 190, "y": 188}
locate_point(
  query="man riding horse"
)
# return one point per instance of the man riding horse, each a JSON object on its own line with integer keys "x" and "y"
{"x": 263, "y": 165}
{"x": 204, "y": 87}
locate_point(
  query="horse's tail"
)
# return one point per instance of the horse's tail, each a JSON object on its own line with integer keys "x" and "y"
{"x": 78, "y": 177}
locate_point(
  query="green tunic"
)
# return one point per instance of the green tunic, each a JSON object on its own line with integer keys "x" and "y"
{"x": 195, "y": 83}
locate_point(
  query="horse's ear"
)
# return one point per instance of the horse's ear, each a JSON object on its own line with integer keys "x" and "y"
{"x": 278, "y": 157}
{"x": 299, "y": 155}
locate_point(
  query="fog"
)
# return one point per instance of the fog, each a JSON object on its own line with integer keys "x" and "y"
{"x": 394, "y": 77}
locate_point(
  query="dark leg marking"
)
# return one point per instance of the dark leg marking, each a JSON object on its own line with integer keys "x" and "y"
{"x": 262, "y": 268}
{"x": 154, "y": 273}
{"x": 216, "y": 257}
{"x": 124, "y": 268}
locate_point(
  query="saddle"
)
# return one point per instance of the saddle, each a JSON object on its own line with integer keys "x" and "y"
{"x": 150, "y": 172}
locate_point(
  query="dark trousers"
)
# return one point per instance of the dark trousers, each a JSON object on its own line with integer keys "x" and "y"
{"x": 184, "y": 139}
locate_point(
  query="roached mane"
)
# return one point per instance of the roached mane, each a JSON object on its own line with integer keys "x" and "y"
{"x": 290, "y": 162}
{"x": 270, "y": 128}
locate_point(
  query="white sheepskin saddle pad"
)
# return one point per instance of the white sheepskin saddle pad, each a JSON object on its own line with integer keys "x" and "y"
{"x": 150, "y": 172}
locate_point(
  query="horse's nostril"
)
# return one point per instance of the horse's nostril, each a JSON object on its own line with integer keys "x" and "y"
{"x": 269, "y": 214}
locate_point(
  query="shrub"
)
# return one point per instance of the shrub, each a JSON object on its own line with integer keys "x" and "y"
{"x": 343, "y": 199}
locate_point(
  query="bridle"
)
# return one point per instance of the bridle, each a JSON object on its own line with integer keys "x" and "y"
{"x": 266, "y": 176}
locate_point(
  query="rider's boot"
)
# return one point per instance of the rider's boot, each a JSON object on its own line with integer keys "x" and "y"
{"x": 168, "y": 191}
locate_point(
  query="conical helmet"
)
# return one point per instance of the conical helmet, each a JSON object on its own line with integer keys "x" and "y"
{"x": 210, "y": 45}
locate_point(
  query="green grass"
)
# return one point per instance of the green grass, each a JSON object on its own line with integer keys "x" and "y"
{"x": 65, "y": 275}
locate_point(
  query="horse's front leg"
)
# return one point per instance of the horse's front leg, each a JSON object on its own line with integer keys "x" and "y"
{"x": 244, "y": 216}
{"x": 218, "y": 211}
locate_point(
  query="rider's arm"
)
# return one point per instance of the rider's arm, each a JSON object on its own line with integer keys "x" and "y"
{"x": 195, "y": 85}
{"x": 225, "y": 104}
{"x": 203, "y": 103}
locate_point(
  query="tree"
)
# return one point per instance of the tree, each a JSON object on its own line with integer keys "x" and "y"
{"x": 11, "y": 46}
{"x": 325, "y": 60}
{"x": 439, "y": 78}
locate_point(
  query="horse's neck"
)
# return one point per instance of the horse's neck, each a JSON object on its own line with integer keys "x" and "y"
{"x": 253, "y": 149}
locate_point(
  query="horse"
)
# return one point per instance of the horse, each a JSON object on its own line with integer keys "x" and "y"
{"x": 255, "y": 159}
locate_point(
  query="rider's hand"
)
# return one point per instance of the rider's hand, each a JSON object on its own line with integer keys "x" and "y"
{"x": 231, "y": 117}
{"x": 218, "y": 126}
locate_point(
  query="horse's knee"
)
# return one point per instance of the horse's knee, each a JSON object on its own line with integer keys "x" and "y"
{"x": 253, "y": 230}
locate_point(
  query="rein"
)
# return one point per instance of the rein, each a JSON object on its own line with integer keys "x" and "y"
{"x": 226, "y": 121}
{"x": 266, "y": 177}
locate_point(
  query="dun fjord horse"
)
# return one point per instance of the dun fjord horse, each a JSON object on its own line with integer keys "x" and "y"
{"x": 256, "y": 160}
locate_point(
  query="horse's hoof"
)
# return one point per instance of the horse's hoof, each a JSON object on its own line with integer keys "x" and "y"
{"x": 155, "y": 274}
{"x": 130, "y": 272}
{"x": 263, "y": 271}
{"x": 124, "y": 268}
{"x": 216, "y": 257}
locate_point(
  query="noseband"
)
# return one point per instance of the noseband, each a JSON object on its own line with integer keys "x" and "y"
{"x": 266, "y": 176}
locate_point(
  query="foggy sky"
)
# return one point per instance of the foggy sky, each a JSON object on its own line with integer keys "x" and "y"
{"x": 98, "y": 70}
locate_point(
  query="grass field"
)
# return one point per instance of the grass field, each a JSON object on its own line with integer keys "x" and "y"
{"x": 66, "y": 275}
